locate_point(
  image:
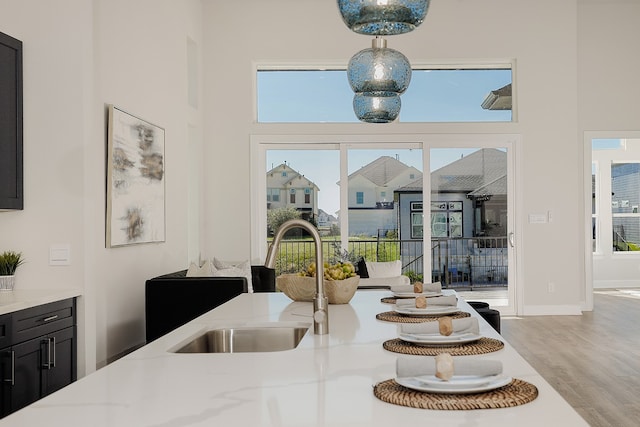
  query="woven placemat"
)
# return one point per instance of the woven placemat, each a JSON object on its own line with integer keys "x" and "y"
{"x": 394, "y": 316}
{"x": 516, "y": 393}
{"x": 482, "y": 346}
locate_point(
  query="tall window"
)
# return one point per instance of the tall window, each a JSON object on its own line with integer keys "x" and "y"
{"x": 273, "y": 194}
{"x": 446, "y": 219}
{"x": 615, "y": 182}
{"x": 292, "y": 196}
{"x": 625, "y": 199}
{"x": 417, "y": 220}
{"x": 360, "y": 211}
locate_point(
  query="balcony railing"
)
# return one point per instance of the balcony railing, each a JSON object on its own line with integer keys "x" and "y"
{"x": 460, "y": 263}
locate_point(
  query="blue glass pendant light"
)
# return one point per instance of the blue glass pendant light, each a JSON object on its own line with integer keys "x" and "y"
{"x": 376, "y": 109}
{"x": 383, "y": 17}
{"x": 378, "y": 76}
{"x": 379, "y": 70}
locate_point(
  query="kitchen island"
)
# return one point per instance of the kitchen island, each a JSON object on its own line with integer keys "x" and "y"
{"x": 327, "y": 380}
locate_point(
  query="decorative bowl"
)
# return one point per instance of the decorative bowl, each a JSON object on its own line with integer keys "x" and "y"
{"x": 303, "y": 288}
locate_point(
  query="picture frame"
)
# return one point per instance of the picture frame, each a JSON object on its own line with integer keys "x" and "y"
{"x": 135, "y": 193}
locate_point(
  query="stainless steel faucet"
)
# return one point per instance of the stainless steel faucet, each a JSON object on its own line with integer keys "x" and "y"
{"x": 320, "y": 301}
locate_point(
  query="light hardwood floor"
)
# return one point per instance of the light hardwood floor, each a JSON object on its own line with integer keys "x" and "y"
{"x": 592, "y": 360}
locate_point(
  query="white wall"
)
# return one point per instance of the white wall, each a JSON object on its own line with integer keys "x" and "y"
{"x": 56, "y": 55}
{"x": 78, "y": 56}
{"x": 542, "y": 38}
{"x": 608, "y": 101}
{"x": 141, "y": 66}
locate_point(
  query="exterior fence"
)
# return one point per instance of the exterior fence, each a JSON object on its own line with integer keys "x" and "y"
{"x": 460, "y": 263}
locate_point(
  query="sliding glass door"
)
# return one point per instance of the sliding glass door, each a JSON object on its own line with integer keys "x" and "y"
{"x": 366, "y": 197}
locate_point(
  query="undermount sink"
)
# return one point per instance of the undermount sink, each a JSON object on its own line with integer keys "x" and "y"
{"x": 246, "y": 339}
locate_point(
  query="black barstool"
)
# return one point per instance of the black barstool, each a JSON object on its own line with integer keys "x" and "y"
{"x": 490, "y": 315}
{"x": 478, "y": 304}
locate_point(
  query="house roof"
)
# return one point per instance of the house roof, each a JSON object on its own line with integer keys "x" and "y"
{"x": 381, "y": 171}
{"x": 480, "y": 171}
{"x": 292, "y": 174}
{"x": 329, "y": 216}
{"x": 499, "y": 99}
{"x": 470, "y": 172}
{"x": 494, "y": 188}
{"x": 412, "y": 186}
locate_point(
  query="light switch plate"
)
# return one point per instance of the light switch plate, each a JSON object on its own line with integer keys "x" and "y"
{"x": 537, "y": 218}
{"x": 60, "y": 254}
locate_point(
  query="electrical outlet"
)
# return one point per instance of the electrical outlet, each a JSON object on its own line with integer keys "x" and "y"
{"x": 551, "y": 287}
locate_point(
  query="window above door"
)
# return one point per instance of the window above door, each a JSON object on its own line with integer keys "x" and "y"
{"x": 437, "y": 94}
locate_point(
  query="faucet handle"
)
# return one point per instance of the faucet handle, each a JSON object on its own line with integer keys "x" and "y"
{"x": 320, "y": 315}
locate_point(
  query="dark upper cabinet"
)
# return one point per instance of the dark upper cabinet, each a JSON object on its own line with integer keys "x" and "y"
{"x": 11, "y": 164}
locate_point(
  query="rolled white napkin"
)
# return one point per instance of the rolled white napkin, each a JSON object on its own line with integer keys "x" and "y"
{"x": 443, "y": 300}
{"x": 464, "y": 325}
{"x": 426, "y": 287}
{"x": 407, "y": 367}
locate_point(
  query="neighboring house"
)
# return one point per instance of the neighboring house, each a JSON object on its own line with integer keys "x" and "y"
{"x": 288, "y": 187}
{"x": 325, "y": 221}
{"x": 371, "y": 195}
{"x": 468, "y": 199}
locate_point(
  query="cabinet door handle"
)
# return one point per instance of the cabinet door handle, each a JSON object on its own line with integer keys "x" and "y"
{"x": 47, "y": 364}
{"x": 12, "y": 380}
{"x": 52, "y": 343}
{"x": 50, "y": 318}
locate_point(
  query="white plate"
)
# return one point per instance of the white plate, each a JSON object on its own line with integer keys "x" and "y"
{"x": 434, "y": 310}
{"x": 413, "y": 294}
{"x": 458, "y": 381}
{"x": 456, "y": 385}
{"x": 437, "y": 339}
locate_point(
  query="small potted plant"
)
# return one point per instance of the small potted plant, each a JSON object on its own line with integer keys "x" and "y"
{"x": 9, "y": 262}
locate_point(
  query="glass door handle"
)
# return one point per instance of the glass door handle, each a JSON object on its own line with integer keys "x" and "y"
{"x": 511, "y": 239}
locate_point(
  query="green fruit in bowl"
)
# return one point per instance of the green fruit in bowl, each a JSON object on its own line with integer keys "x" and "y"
{"x": 338, "y": 271}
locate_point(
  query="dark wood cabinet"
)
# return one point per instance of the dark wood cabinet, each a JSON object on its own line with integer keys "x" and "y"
{"x": 42, "y": 357}
{"x": 11, "y": 151}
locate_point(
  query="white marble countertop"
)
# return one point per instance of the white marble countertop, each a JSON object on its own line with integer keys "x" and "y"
{"x": 20, "y": 299}
{"x": 326, "y": 381}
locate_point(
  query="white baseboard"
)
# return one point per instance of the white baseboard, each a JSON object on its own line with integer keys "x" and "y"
{"x": 552, "y": 310}
{"x": 614, "y": 284}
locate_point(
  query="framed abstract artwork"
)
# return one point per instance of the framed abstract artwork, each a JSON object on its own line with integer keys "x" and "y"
{"x": 135, "y": 180}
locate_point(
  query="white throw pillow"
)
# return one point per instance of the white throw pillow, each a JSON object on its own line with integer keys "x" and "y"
{"x": 234, "y": 269}
{"x": 384, "y": 269}
{"x": 205, "y": 270}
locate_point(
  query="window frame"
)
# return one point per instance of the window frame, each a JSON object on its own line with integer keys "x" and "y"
{"x": 273, "y": 195}
{"x": 417, "y": 228}
{"x": 424, "y": 137}
{"x": 417, "y": 65}
{"x": 617, "y": 215}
